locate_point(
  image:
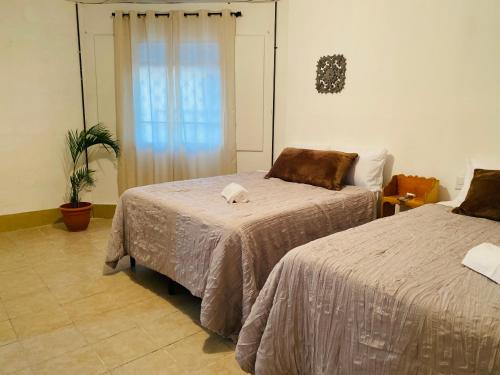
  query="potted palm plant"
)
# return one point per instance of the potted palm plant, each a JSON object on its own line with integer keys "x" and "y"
{"x": 76, "y": 214}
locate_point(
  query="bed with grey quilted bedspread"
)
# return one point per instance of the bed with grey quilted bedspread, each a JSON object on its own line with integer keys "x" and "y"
{"x": 223, "y": 253}
{"x": 388, "y": 297}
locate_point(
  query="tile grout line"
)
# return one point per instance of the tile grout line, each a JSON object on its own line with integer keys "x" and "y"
{"x": 32, "y": 366}
{"x": 61, "y": 354}
{"x": 156, "y": 350}
{"x": 135, "y": 359}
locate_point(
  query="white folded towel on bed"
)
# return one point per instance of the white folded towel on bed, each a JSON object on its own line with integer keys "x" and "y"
{"x": 235, "y": 193}
{"x": 485, "y": 259}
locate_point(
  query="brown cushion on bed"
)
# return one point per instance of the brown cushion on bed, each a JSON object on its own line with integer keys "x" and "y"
{"x": 483, "y": 198}
{"x": 320, "y": 168}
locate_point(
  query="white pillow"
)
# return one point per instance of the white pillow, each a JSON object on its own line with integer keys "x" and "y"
{"x": 469, "y": 173}
{"x": 472, "y": 164}
{"x": 368, "y": 169}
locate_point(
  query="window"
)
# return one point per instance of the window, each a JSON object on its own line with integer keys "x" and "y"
{"x": 178, "y": 104}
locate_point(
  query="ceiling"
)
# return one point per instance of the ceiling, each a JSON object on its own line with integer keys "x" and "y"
{"x": 166, "y": 1}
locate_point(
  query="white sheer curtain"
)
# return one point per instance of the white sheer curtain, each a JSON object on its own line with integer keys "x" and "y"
{"x": 174, "y": 96}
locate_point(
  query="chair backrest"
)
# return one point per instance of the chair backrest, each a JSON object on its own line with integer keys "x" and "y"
{"x": 424, "y": 188}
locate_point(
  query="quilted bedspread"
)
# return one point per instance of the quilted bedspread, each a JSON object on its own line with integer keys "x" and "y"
{"x": 388, "y": 297}
{"x": 223, "y": 253}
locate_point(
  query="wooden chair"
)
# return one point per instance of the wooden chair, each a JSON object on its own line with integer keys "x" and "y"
{"x": 426, "y": 190}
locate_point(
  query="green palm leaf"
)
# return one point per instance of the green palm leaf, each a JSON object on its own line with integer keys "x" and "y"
{"x": 99, "y": 135}
{"x": 79, "y": 141}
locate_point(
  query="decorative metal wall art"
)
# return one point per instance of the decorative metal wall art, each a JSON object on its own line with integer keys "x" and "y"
{"x": 331, "y": 74}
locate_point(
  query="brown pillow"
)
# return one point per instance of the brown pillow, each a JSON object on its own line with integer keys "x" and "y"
{"x": 320, "y": 168}
{"x": 483, "y": 198}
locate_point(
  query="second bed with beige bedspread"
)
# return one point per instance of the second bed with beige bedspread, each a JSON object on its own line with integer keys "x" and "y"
{"x": 388, "y": 297}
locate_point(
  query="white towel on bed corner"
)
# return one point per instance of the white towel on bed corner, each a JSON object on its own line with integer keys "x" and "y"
{"x": 485, "y": 259}
{"x": 235, "y": 193}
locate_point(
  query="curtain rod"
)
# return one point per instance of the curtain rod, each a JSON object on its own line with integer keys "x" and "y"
{"x": 235, "y": 14}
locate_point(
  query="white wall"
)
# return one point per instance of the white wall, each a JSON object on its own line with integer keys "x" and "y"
{"x": 39, "y": 100}
{"x": 254, "y": 70}
{"x": 423, "y": 80}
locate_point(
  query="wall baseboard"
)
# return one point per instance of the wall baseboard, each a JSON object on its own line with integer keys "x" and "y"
{"x": 32, "y": 219}
{"x": 29, "y": 219}
{"x": 103, "y": 211}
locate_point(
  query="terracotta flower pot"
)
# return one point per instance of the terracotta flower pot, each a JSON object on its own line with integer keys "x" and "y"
{"x": 76, "y": 219}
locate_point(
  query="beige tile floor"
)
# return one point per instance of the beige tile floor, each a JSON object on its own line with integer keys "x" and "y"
{"x": 60, "y": 315}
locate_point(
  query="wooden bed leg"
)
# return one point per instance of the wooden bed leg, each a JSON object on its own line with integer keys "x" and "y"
{"x": 132, "y": 263}
{"x": 170, "y": 286}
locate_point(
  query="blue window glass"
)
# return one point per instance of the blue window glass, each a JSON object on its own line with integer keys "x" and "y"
{"x": 179, "y": 107}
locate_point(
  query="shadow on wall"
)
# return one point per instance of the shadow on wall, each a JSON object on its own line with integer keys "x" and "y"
{"x": 444, "y": 193}
{"x": 388, "y": 168}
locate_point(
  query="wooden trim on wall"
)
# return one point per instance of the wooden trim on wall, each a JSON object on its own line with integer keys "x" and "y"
{"x": 103, "y": 211}
{"x": 32, "y": 219}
